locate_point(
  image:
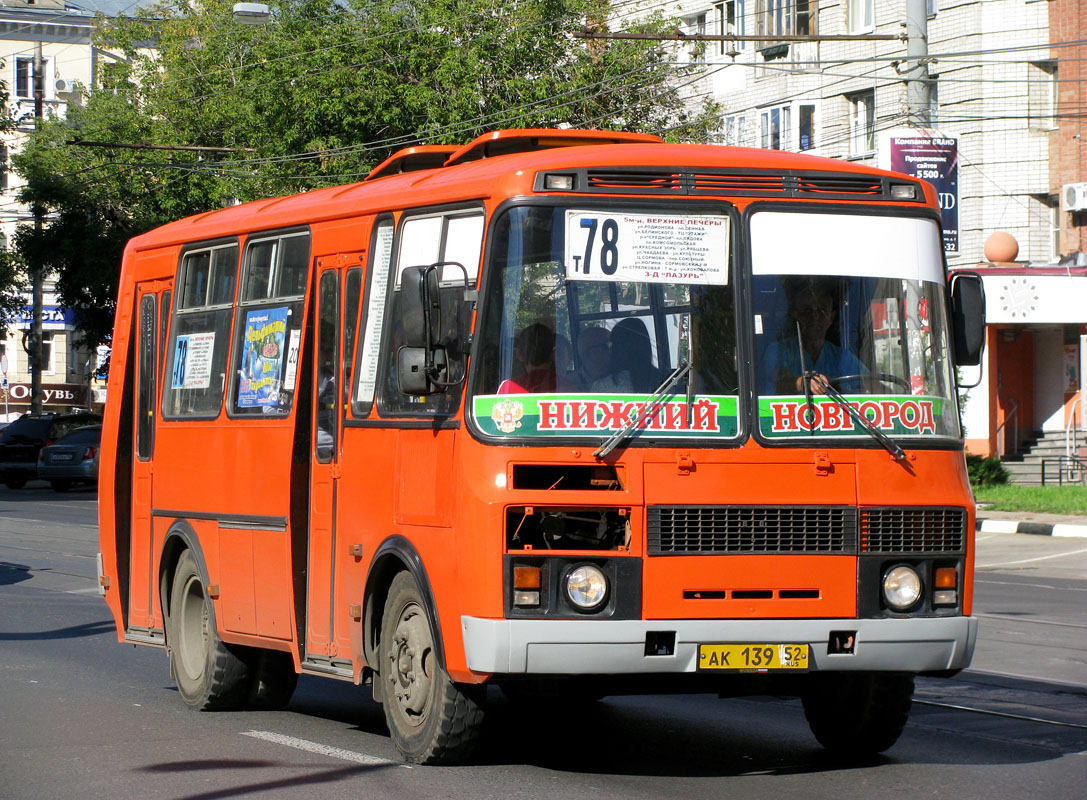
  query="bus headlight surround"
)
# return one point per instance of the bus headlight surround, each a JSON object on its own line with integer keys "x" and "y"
{"x": 586, "y": 587}
{"x": 901, "y": 587}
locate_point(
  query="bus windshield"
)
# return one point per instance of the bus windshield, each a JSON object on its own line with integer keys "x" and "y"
{"x": 858, "y": 304}
{"x": 574, "y": 340}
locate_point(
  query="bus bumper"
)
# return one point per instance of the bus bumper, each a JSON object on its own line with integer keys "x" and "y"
{"x": 587, "y": 647}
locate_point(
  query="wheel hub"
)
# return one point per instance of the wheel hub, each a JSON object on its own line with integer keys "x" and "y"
{"x": 411, "y": 664}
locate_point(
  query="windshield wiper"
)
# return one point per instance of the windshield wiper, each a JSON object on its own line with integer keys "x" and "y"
{"x": 648, "y": 410}
{"x": 897, "y": 452}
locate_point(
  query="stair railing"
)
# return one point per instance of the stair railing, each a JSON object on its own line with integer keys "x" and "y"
{"x": 1002, "y": 442}
{"x": 1070, "y": 469}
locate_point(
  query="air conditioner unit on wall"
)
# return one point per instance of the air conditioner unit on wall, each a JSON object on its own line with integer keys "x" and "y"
{"x": 64, "y": 86}
{"x": 1074, "y": 196}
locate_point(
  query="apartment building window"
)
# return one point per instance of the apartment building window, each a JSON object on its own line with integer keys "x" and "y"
{"x": 933, "y": 102}
{"x": 696, "y": 26}
{"x": 777, "y": 131}
{"x": 859, "y": 15}
{"x": 774, "y": 125}
{"x": 729, "y": 19}
{"x": 862, "y": 123}
{"x": 3, "y": 167}
{"x": 787, "y": 17}
{"x": 48, "y": 365}
{"x": 805, "y": 121}
{"x": 1042, "y": 95}
{"x": 736, "y": 130}
{"x": 24, "y": 78}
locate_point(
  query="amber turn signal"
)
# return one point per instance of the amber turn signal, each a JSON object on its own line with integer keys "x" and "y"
{"x": 945, "y": 578}
{"x": 526, "y": 578}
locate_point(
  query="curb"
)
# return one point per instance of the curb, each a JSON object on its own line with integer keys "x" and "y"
{"x": 1035, "y": 528}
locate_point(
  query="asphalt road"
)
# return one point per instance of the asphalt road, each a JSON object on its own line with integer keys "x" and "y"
{"x": 82, "y": 716}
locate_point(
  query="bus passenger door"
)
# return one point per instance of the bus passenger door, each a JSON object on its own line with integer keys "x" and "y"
{"x": 149, "y": 297}
{"x": 325, "y": 472}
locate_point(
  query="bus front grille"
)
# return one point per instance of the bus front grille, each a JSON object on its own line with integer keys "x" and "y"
{"x": 692, "y": 530}
{"x": 912, "y": 530}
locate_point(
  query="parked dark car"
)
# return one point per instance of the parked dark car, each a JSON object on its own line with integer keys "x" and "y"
{"x": 23, "y": 439}
{"x": 74, "y": 459}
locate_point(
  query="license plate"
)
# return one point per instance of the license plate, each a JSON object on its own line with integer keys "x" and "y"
{"x": 62, "y": 456}
{"x": 753, "y": 657}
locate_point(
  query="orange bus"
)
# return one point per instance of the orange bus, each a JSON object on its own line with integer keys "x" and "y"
{"x": 567, "y": 413}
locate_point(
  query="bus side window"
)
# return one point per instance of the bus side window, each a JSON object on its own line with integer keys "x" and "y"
{"x": 352, "y": 295}
{"x": 454, "y": 236}
{"x": 196, "y": 356}
{"x": 268, "y": 328}
{"x": 381, "y": 253}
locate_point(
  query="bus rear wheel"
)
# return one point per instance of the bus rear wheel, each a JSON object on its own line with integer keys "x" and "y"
{"x": 431, "y": 719}
{"x": 272, "y": 680}
{"x": 210, "y": 675}
{"x": 858, "y": 714}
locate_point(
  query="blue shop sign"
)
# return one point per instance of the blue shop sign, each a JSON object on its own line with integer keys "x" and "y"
{"x": 54, "y": 318}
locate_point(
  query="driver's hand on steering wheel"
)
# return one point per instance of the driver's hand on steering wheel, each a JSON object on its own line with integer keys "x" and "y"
{"x": 817, "y": 386}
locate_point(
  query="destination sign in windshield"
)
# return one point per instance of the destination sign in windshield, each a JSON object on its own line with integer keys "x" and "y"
{"x": 647, "y": 248}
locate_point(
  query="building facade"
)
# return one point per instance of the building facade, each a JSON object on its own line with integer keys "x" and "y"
{"x": 57, "y": 35}
{"x": 999, "y": 126}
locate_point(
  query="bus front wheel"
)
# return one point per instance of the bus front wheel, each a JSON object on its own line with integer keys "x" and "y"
{"x": 210, "y": 675}
{"x": 431, "y": 719}
{"x": 858, "y": 714}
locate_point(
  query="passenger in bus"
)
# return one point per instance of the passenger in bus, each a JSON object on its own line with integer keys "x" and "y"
{"x": 534, "y": 372}
{"x": 565, "y": 375}
{"x": 595, "y": 356}
{"x": 631, "y": 367}
{"x": 811, "y": 315}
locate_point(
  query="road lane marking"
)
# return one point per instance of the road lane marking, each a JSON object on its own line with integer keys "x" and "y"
{"x": 1033, "y": 585}
{"x": 1004, "y": 714}
{"x": 1009, "y": 618}
{"x": 1030, "y": 560}
{"x": 320, "y": 749}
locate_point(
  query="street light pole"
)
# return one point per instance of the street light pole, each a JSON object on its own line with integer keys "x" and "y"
{"x": 37, "y": 270}
{"x": 917, "y": 80}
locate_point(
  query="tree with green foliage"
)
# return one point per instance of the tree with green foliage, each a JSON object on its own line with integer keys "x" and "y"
{"x": 194, "y": 111}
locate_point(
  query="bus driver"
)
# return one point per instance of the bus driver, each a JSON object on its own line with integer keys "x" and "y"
{"x": 811, "y": 314}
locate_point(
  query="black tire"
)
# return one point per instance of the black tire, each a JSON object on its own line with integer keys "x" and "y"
{"x": 431, "y": 719}
{"x": 14, "y": 480}
{"x": 210, "y": 674}
{"x": 272, "y": 679}
{"x": 61, "y": 485}
{"x": 858, "y": 714}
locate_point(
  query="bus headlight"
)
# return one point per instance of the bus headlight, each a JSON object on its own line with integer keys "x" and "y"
{"x": 586, "y": 587}
{"x": 901, "y": 587}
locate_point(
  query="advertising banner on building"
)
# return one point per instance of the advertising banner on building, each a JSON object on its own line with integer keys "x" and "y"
{"x": 55, "y": 396}
{"x": 933, "y": 158}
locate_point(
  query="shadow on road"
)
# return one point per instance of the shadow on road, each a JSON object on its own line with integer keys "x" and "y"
{"x": 257, "y": 788}
{"x": 702, "y": 736}
{"x": 37, "y": 491}
{"x": 73, "y": 632}
{"x": 13, "y": 573}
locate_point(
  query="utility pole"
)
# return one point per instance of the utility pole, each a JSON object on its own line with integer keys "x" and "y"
{"x": 917, "y": 79}
{"x": 38, "y": 270}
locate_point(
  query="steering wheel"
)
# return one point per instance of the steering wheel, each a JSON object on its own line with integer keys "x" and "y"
{"x": 859, "y": 379}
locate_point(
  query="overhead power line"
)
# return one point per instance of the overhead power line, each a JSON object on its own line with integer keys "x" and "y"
{"x": 680, "y": 36}
{"x": 191, "y": 148}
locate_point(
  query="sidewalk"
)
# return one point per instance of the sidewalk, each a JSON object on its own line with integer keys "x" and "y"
{"x": 1027, "y": 522}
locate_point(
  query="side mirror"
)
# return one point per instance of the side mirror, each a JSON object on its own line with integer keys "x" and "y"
{"x": 416, "y": 376}
{"x": 967, "y": 318}
{"x": 421, "y": 306}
